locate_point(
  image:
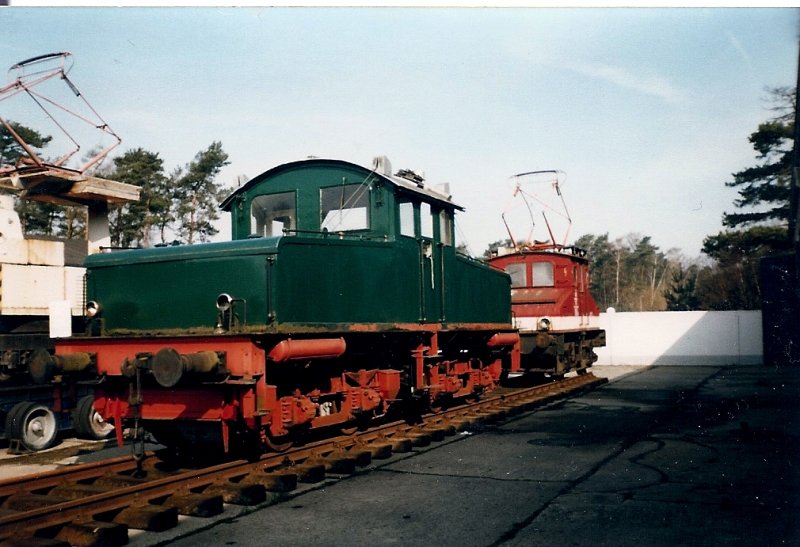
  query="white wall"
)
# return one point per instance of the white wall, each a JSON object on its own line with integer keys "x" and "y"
{"x": 682, "y": 338}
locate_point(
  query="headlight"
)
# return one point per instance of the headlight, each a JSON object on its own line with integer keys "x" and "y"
{"x": 224, "y": 302}
{"x": 544, "y": 324}
{"x": 93, "y": 308}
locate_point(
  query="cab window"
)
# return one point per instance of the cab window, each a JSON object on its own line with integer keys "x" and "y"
{"x": 543, "y": 274}
{"x": 344, "y": 208}
{"x": 271, "y": 214}
{"x": 426, "y": 220}
{"x": 517, "y": 273}
{"x": 407, "y": 218}
{"x": 445, "y": 228}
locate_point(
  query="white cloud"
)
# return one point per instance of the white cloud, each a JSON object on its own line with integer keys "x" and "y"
{"x": 740, "y": 49}
{"x": 653, "y": 85}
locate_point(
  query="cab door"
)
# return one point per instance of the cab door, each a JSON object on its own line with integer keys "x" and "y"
{"x": 431, "y": 266}
{"x": 418, "y": 225}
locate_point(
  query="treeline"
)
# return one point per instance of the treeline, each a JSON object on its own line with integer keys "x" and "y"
{"x": 181, "y": 206}
{"x": 632, "y": 274}
{"x": 629, "y": 274}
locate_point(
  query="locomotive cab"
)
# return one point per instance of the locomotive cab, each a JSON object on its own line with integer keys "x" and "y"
{"x": 550, "y": 285}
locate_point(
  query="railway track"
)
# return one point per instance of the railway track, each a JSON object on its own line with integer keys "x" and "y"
{"x": 99, "y": 503}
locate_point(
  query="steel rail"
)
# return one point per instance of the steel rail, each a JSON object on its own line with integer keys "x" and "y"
{"x": 54, "y": 477}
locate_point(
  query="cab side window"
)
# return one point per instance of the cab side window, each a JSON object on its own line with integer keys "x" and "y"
{"x": 430, "y": 219}
{"x": 426, "y": 220}
{"x": 445, "y": 228}
{"x": 407, "y": 219}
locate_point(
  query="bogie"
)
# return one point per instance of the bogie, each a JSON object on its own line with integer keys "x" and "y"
{"x": 271, "y": 400}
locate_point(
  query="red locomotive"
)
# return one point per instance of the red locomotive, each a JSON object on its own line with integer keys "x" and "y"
{"x": 550, "y": 300}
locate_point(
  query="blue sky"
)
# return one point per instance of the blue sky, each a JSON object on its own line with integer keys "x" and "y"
{"x": 647, "y": 111}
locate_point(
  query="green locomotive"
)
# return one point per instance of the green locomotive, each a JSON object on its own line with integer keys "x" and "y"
{"x": 341, "y": 298}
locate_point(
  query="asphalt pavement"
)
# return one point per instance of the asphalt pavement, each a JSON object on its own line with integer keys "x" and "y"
{"x": 689, "y": 455}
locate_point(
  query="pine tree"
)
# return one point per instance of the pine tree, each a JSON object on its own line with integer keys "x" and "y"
{"x": 11, "y": 151}
{"x": 132, "y": 224}
{"x": 682, "y": 292}
{"x": 761, "y": 227}
{"x": 197, "y": 194}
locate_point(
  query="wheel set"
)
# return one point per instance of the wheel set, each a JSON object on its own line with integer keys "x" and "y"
{"x": 88, "y": 423}
{"x": 35, "y": 426}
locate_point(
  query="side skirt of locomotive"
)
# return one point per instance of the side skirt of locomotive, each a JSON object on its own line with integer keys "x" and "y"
{"x": 247, "y": 392}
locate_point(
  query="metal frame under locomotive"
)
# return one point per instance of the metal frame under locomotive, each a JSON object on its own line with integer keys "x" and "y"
{"x": 340, "y": 299}
{"x": 557, "y": 318}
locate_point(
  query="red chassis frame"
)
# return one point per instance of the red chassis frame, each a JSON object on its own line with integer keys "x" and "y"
{"x": 243, "y": 396}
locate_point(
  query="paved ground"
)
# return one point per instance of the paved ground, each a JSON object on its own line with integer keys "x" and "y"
{"x": 664, "y": 456}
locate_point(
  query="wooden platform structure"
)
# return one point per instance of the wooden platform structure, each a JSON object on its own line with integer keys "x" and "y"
{"x": 53, "y": 184}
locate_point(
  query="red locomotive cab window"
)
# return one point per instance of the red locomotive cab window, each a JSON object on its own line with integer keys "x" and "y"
{"x": 518, "y": 277}
{"x": 543, "y": 274}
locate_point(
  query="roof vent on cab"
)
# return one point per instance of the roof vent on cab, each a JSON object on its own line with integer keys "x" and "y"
{"x": 382, "y": 165}
{"x": 410, "y": 175}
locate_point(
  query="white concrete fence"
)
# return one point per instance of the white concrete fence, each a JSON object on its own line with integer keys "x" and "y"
{"x": 682, "y": 338}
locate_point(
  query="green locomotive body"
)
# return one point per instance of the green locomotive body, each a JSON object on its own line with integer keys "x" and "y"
{"x": 309, "y": 276}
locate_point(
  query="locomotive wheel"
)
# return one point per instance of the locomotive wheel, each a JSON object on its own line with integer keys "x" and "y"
{"x": 361, "y": 422}
{"x": 279, "y": 444}
{"x": 11, "y": 417}
{"x": 87, "y": 421}
{"x": 440, "y": 403}
{"x": 32, "y": 424}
